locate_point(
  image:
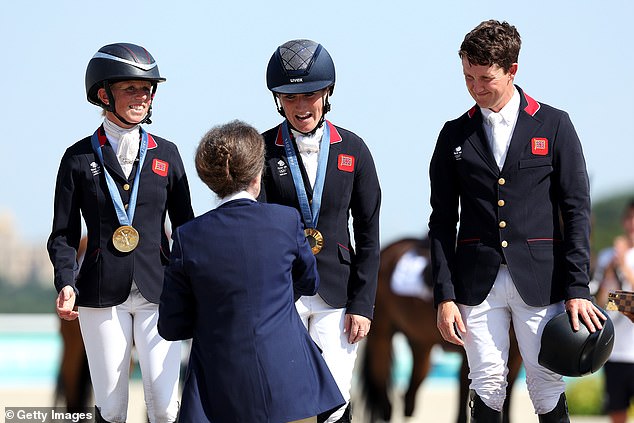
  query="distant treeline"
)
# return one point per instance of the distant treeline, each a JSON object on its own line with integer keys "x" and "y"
{"x": 32, "y": 297}
{"x": 606, "y": 220}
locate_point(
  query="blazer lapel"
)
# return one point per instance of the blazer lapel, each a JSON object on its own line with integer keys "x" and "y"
{"x": 333, "y": 157}
{"x": 111, "y": 162}
{"x": 282, "y": 173}
{"x": 479, "y": 141}
{"x": 525, "y": 127}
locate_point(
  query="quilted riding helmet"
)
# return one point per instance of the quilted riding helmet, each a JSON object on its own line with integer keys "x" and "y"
{"x": 571, "y": 353}
{"x": 300, "y": 66}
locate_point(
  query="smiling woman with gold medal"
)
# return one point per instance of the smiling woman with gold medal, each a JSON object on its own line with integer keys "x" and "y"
{"x": 123, "y": 182}
{"x": 328, "y": 174}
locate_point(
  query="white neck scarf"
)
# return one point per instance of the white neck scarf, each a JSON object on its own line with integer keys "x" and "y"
{"x": 125, "y": 142}
{"x": 308, "y": 146}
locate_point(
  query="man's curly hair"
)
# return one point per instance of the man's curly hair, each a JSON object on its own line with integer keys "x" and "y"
{"x": 492, "y": 43}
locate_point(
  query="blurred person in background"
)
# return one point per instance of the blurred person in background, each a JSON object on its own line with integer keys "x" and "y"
{"x": 615, "y": 271}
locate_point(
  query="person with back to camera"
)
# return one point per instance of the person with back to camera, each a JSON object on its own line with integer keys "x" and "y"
{"x": 615, "y": 271}
{"x": 328, "y": 174}
{"x": 123, "y": 181}
{"x": 229, "y": 286}
{"x": 509, "y": 170}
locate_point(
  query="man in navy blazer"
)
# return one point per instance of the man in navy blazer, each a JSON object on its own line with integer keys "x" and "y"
{"x": 511, "y": 171}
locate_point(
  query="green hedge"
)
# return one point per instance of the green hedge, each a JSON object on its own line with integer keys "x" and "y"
{"x": 585, "y": 396}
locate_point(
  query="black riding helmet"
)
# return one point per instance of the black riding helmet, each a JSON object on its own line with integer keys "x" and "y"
{"x": 300, "y": 66}
{"x": 571, "y": 353}
{"x": 120, "y": 62}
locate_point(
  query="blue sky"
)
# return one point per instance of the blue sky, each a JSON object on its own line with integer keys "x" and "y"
{"x": 398, "y": 80}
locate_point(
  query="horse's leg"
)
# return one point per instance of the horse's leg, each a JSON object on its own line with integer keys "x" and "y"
{"x": 464, "y": 389}
{"x": 421, "y": 356}
{"x": 378, "y": 366}
{"x": 72, "y": 365}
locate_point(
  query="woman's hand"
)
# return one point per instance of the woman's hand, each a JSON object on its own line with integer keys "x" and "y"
{"x": 66, "y": 303}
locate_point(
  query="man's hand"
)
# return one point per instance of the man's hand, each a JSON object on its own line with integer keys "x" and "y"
{"x": 449, "y": 321}
{"x": 590, "y": 314}
{"x": 357, "y": 327}
{"x": 66, "y": 303}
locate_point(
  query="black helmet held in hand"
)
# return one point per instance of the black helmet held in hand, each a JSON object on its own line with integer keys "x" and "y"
{"x": 571, "y": 353}
{"x": 119, "y": 62}
{"x": 300, "y": 66}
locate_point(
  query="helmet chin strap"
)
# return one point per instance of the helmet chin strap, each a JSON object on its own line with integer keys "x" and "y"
{"x": 325, "y": 109}
{"x": 111, "y": 106}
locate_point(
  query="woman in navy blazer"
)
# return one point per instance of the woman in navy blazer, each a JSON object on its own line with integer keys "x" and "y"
{"x": 122, "y": 182}
{"x": 327, "y": 173}
{"x": 229, "y": 286}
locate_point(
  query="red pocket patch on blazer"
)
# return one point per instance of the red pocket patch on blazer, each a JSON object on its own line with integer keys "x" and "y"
{"x": 160, "y": 167}
{"x": 345, "y": 163}
{"x": 539, "y": 146}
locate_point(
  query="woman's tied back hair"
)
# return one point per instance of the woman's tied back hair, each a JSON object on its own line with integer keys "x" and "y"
{"x": 229, "y": 157}
{"x": 492, "y": 43}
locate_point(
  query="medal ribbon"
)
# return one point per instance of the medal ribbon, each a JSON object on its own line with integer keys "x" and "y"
{"x": 310, "y": 216}
{"x": 125, "y": 216}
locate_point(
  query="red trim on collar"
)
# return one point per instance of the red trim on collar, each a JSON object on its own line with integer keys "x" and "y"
{"x": 101, "y": 136}
{"x": 279, "y": 141}
{"x": 151, "y": 143}
{"x": 335, "y": 136}
{"x": 532, "y": 107}
{"x": 472, "y": 111}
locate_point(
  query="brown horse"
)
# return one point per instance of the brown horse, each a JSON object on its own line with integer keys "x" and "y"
{"x": 416, "y": 319}
{"x": 73, "y": 388}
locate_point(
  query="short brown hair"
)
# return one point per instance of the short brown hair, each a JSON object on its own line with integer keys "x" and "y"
{"x": 492, "y": 43}
{"x": 229, "y": 157}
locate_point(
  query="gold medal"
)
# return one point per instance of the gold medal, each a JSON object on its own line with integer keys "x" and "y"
{"x": 125, "y": 238}
{"x": 315, "y": 239}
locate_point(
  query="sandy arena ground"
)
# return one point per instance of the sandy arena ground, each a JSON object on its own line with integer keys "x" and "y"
{"x": 435, "y": 405}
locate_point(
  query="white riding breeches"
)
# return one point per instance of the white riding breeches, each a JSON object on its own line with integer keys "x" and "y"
{"x": 325, "y": 325}
{"x": 487, "y": 345}
{"x": 109, "y": 334}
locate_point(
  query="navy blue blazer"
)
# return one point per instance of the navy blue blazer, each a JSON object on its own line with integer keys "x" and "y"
{"x": 106, "y": 274}
{"x": 229, "y": 285}
{"x": 348, "y": 276}
{"x": 533, "y": 215}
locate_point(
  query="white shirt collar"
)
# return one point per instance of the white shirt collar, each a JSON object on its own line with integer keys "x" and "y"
{"x": 509, "y": 112}
{"x": 236, "y": 196}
